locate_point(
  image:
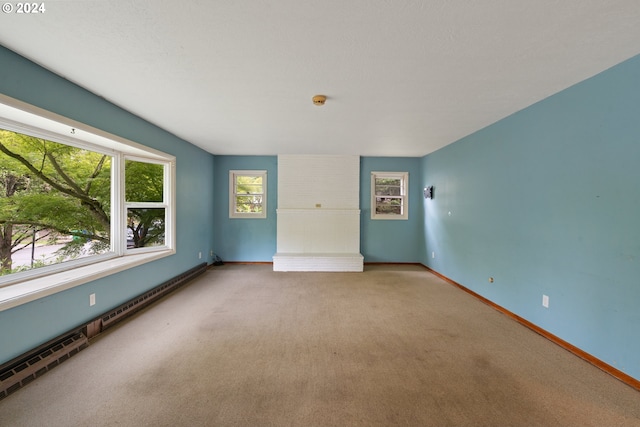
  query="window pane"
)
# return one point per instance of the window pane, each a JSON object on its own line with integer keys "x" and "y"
{"x": 248, "y": 204}
{"x": 387, "y": 205}
{"x": 388, "y": 190}
{"x": 389, "y": 181}
{"x": 247, "y": 184}
{"x": 144, "y": 182}
{"x": 249, "y": 189}
{"x": 145, "y": 227}
{"x": 249, "y": 179}
{"x": 389, "y": 186}
{"x": 54, "y": 202}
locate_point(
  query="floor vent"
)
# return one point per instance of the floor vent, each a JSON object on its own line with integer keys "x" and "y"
{"x": 128, "y": 308}
{"x": 20, "y": 372}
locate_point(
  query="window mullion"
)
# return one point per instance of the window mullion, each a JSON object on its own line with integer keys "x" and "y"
{"x": 118, "y": 208}
{"x": 169, "y": 200}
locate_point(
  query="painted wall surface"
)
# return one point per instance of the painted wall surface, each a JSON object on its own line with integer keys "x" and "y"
{"x": 255, "y": 239}
{"x": 243, "y": 239}
{"x": 547, "y": 201}
{"x": 391, "y": 240}
{"x": 26, "y": 326}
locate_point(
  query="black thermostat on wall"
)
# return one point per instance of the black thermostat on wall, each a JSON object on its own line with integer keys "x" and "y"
{"x": 428, "y": 192}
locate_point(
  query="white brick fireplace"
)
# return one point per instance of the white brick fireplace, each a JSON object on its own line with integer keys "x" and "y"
{"x": 318, "y": 223}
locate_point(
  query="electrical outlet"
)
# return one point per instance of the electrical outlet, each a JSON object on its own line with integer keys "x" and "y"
{"x": 433, "y": 254}
{"x": 199, "y": 255}
{"x": 545, "y": 301}
{"x": 92, "y": 300}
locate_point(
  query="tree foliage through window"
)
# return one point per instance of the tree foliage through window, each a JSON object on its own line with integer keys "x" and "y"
{"x": 55, "y": 201}
{"x": 144, "y": 197}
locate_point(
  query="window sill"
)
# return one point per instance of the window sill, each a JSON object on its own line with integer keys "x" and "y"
{"x": 33, "y": 289}
{"x": 390, "y": 217}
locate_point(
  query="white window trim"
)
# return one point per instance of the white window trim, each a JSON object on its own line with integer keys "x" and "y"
{"x": 28, "y": 286}
{"x": 405, "y": 195}
{"x": 232, "y": 194}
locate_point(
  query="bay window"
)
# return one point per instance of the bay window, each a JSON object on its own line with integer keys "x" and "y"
{"x": 73, "y": 196}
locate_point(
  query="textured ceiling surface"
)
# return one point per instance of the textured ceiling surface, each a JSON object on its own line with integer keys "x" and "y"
{"x": 403, "y": 78}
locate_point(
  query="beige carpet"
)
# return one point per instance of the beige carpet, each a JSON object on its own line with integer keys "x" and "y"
{"x": 245, "y": 346}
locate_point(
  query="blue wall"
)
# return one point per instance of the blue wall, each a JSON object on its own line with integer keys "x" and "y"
{"x": 255, "y": 239}
{"x": 547, "y": 201}
{"x": 242, "y": 239}
{"x": 391, "y": 240}
{"x": 26, "y": 326}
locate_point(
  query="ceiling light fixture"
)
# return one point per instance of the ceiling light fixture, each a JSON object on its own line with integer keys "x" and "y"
{"x": 319, "y": 99}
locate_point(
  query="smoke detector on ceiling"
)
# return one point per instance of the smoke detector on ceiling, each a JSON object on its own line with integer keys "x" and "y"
{"x": 319, "y": 99}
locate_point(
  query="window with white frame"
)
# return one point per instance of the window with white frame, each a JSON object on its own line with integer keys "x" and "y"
{"x": 389, "y": 195}
{"x": 72, "y": 195}
{"x": 247, "y": 194}
{"x": 145, "y": 202}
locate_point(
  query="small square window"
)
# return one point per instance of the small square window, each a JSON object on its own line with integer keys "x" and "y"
{"x": 389, "y": 195}
{"x": 247, "y": 194}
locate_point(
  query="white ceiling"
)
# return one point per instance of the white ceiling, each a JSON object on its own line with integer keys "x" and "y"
{"x": 402, "y": 77}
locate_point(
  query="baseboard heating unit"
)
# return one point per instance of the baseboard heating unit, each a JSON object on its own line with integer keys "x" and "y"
{"x": 25, "y": 368}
